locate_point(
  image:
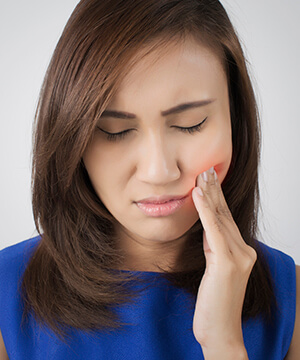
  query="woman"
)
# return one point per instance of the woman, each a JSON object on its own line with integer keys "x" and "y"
{"x": 145, "y": 195}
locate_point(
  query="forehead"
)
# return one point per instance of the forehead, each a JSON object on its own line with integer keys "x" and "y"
{"x": 178, "y": 70}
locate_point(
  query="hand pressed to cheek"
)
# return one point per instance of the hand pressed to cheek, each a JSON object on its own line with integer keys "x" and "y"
{"x": 213, "y": 210}
{"x": 229, "y": 262}
{"x": 210, "y": 206}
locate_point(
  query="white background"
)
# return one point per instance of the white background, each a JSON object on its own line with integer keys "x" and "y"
{"x": 269, "y": 31}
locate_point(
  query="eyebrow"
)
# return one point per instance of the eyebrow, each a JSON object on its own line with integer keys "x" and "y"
{"x": 174, "y": 110}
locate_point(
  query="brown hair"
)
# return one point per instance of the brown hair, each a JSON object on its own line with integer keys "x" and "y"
{"x": 70, "y": 279}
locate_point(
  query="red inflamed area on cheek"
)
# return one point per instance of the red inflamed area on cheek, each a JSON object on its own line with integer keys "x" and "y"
{"x": 222, "y": 169}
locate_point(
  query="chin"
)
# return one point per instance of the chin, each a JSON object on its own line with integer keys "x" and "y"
{"x": 165, "y": 234}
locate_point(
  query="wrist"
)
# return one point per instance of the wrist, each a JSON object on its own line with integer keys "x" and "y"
{"x": 236, "y": 352}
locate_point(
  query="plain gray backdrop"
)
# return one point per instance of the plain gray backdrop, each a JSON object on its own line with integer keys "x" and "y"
{"x": 269, "y": 32}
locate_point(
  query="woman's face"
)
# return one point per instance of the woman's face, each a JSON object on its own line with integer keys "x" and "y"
{"x": 156, "y": 157}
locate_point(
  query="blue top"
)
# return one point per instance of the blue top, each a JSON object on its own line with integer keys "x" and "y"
{"x": 161, "y": 322}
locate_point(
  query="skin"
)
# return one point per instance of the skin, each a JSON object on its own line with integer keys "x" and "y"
{"x": 157, "y": 158}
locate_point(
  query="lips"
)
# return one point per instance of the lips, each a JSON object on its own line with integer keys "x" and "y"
{"x": 161, "y": 199}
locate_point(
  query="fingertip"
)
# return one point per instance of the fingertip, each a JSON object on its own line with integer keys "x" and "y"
{"x": 198, "y": 180}
{"x": 197, "y": 195}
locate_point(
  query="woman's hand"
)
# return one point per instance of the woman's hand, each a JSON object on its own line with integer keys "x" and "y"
{"x": 217, "y": 324}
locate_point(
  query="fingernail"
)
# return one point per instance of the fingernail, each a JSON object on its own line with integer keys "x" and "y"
{"x": 197, "y": 181}
{"x": 216, "y": 176}
{"x": 199, "y": 191}
{"x": 204, "y": 176}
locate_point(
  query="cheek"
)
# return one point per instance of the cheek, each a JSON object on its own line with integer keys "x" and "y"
{"x": 100, "y": 160}
{"x": 212, "y": 151}
{"x": 96, "y": 165}
{"x": 105, "y": 170}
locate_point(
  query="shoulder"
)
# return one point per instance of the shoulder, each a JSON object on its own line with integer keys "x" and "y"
{"x": 294, "y": 350}
{"x": 284, "y": 276}
{"x": 272, "y": 255}
{"x": 13, "y": 261}
{"x": 283, "y": 272}
{"x": 17, "y": 254}
{"x": 282, "y": 268}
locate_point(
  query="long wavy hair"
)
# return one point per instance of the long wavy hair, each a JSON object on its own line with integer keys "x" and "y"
{"x": 70, "y": 280}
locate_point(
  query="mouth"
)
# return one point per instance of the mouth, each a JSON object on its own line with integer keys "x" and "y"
{"x": 158, "y": 200}
{"x": 161, "y": 208}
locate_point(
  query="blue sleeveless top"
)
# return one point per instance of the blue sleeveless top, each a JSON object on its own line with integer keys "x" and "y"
{"x": 160, "y": 321}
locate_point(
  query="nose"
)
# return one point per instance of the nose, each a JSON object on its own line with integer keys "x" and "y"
{"x": 157, "y": 161}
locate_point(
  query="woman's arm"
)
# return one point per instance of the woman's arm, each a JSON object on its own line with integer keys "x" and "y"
{"x": 294, "y": 350}
{"x": 3, "y": 353}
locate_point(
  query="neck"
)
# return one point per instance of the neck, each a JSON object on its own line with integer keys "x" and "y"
{"x": 149, "y": 255}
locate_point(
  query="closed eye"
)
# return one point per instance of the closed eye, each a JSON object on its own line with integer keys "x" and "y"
{"x": 193, "y": 128}
{"x": 122, "y": 134}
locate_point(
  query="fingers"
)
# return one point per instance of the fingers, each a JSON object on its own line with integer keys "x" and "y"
{"x": 221, "y": 232}
{"x": 206, "y": 202}
{"x": 210, "y": 185}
